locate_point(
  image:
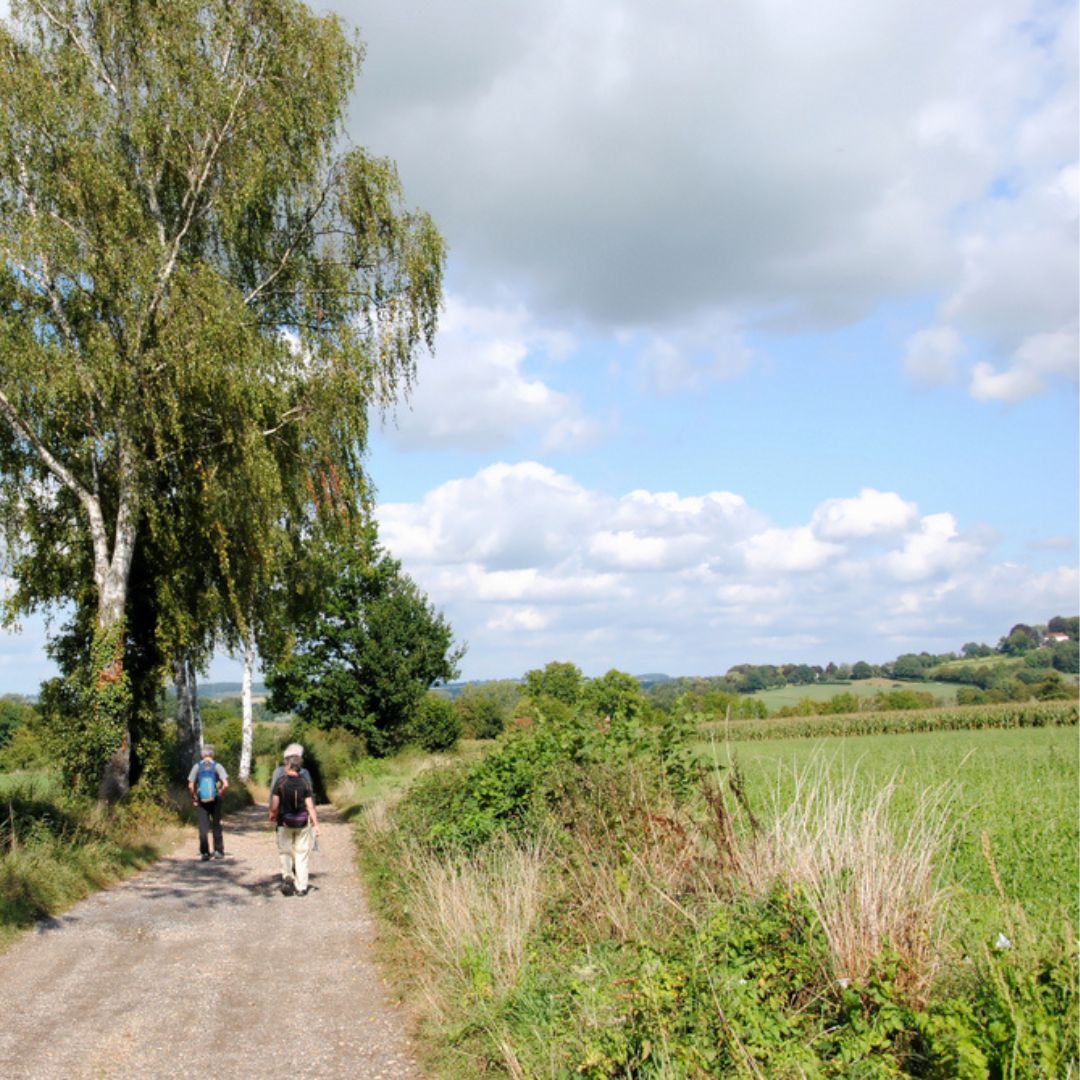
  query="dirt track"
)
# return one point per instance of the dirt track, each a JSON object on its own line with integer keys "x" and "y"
{"x": 205, "y": 969}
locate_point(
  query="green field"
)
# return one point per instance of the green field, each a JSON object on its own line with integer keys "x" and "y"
{"x": 861, "y": 688}
{"x": 1020, "y": 787}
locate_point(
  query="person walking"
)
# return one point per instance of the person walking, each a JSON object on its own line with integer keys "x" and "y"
{"x": 292, "y": 750}
{"x": 292, "y": 811}
{"x": 208, "y": 781}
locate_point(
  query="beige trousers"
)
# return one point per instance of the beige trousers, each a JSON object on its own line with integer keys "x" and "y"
{"x": 294, "y": 846}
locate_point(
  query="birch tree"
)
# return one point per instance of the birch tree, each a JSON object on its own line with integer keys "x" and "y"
{"x": 201, "y": 292}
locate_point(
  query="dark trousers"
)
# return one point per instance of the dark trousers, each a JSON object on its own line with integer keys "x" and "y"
{"x": 210, "y": 813}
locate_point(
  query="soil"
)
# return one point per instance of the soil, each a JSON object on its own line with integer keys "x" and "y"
{"x": 205, "y": 969}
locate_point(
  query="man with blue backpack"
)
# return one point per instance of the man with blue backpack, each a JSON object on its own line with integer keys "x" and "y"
{"x": 207, "y": 782}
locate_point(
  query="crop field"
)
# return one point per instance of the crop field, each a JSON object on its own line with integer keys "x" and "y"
{"x": 1021, "y": 714}
{"x": 1020, "y": 787}
{"x": 862, "y": 688}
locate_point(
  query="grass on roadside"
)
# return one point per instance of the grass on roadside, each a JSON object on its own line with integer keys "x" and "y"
{"x": 56, "y": 849}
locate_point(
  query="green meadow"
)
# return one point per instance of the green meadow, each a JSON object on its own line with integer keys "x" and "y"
{"x": 1018, "y": 787}
{"x": 863, "y": 689}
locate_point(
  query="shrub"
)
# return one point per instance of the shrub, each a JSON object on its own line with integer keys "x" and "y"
{"x": 889, "y": 700}
{"x": 481, "y": 716}
{"x": 435, "y": 726}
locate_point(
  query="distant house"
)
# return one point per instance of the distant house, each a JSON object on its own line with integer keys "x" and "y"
{"x": 1054, "y": 636}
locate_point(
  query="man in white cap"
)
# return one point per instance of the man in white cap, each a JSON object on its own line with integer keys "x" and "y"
{"x": 292, "y": 750}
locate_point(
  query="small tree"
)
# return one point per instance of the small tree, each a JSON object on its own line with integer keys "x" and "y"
{"x": 484, "y": 711}
{"x": 435, "y": 726}
{"x": 560, "y": 680}
{"x": 368, "y": 650}
{"x": 1020, "y": 639}
{"x": 616, "y": 695}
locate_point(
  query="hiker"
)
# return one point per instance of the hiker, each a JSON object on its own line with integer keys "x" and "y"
{"x": 293, "y": 749}
{"x": 292, "y": 810}
{"x": 207, "y": 782}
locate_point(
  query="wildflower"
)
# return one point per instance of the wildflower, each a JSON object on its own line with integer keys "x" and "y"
{"x": 1002, "y": 942}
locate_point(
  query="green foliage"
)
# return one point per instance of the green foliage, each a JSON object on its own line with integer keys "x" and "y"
{"x": 367, "y": 652}
{"x": 705, "y": 981}
{"x": 435, "y": 726}
{"x": 1015, "y": 1015}
{"x": 202, "y": 295}
{"x": 559, "y": 680}
{"x": 484, "y": 711}
{"x": 615, "y": 694}
{"x": 517, "y": 786}
{"x": 15, "y": 713}
{"x": 1065, "y": 656}
{"x": 1019, "y": 640}
{"x": 57, "y": 847}
{"x": 86, "y": 714}
{"x": 889, "y": 700}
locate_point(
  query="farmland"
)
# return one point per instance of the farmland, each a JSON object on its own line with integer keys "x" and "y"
{"x": 780, "y": 696}
{"x": 1019, "y": 787}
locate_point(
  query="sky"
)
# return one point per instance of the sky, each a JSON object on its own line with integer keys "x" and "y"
{"x": 760, "y": 337}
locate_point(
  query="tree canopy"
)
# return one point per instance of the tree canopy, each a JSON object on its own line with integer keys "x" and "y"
{"x": 201, "y": 295}
{"x": 368, "y": 650}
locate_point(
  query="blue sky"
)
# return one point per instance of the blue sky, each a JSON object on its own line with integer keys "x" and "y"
{"x": 760, "y": 341}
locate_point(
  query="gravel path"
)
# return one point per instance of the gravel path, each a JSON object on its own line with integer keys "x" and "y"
{"x": 205, "y": 969}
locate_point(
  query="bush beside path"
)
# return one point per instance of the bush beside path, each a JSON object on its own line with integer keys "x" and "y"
{"x": 205, "y": 968}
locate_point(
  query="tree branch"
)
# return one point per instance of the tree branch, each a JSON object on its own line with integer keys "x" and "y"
{"x": 98, "y": 68}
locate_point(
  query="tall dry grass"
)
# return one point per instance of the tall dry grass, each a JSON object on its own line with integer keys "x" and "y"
{"x": 472, "y": 917}
{"x": 869, "y": 873}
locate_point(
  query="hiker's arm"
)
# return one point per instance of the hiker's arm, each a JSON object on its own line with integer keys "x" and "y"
{"x": 275, "y": 802}
{"x": 309, "y": 802}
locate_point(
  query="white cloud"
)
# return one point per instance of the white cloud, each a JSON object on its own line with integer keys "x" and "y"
{"x": 531, "y": 566}
{"x": 937, "y": 546}
{"x": 872, "y": 513}
{"x": 476, "y": 393}
{"x": 689, "y": 358}
{"x": 651, "y": 167}
{"x": 515, "y": 619}
{"x": 1012, "y": 385}
{"x": 786, "y": 550}
{"x": 1039, "y": 358}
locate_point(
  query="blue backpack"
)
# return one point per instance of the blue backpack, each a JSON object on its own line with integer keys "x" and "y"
{"x": 206, "y": 782}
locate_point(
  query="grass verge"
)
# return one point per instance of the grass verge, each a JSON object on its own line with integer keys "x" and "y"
{"x": 56, "y": 849}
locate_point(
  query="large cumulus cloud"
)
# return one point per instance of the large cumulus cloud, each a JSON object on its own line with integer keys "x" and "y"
{"x": 747, "y": 164}
{"x": 532, "y": 566}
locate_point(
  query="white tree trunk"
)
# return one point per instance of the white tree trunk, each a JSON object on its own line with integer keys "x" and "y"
{"x": 245, "y": 699}
{"x": 188, "y": 721}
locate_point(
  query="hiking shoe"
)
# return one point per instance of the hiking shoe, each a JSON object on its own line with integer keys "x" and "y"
{"x": 205, "y": 856}
{"x": 301, "y": 892}
{"x": 219, "y": 854}
{"x": 287, "y": 887}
